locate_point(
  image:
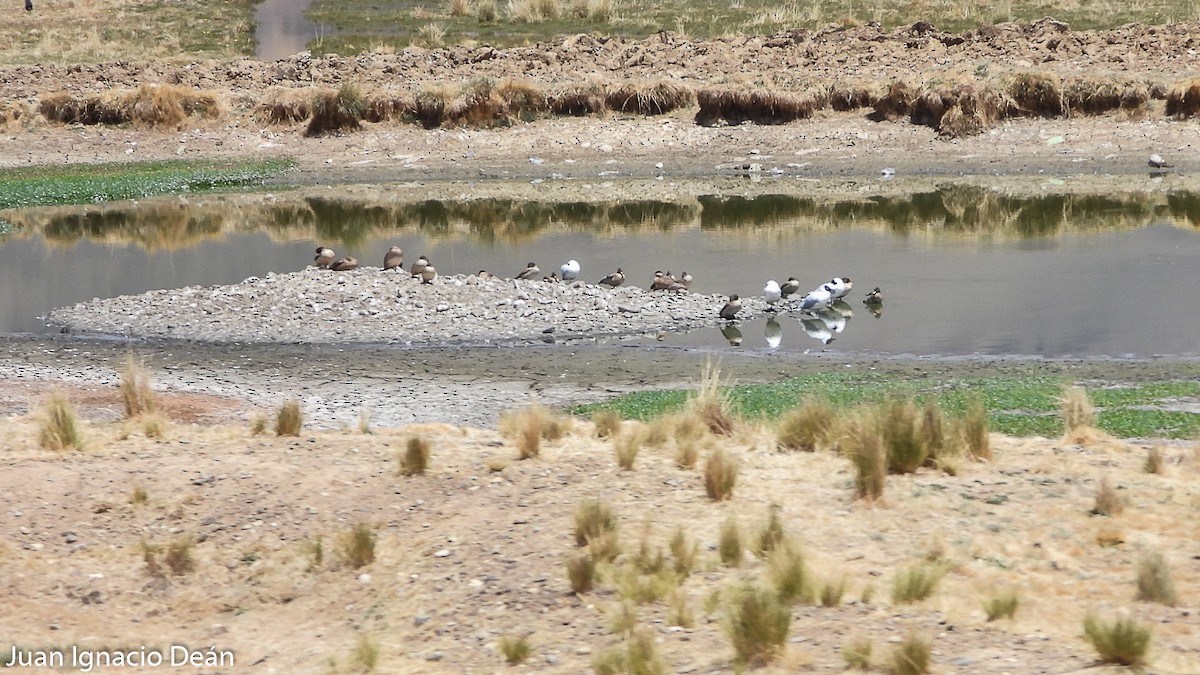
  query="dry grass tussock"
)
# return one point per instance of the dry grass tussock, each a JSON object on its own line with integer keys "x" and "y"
{"x": 576, "y": 100}
{"x": 415, "y": 459}
{"x": 649, "y": 98}
{"x": 627, "y": 446}
{"x": 807, "y": 426}
{"x": 531, "y": 426}
{"x": 863, "y": 443}
{"x": 757, "y": 622}
{"x": 283, "y": 105}
{"x": 1079, "y": 418}
{"x": 711, "y": 403}
{"x": 150, "y": 105}
{"x": 136, "y": 395}
{"x": 335, "y": 110}
{"x": 1123, "y": 641}
{"x": 289, "y": 420}
{"x": 389, "y": 105}
{"x": 720, "y": 475}
{"x": 1154, "y": 582}
{"x": 58, "y": 425}
{"x": 1096, "y": 95}
{"x": 912, "y": 656}
{"x": 1107, "y": 501}
{"x": 761, "y": 106}
{"x": 1183, "y": 100}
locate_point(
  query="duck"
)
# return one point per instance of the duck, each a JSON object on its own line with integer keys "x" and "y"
{"x": 875, "y": 297}
{"x": 569, "y": 271}
{"x": 531, "y": 271}
{"x": 551, "y": 278}
{"x": 615, "y": 279}
{"x": 428, "y": 274}
{"x": 816, "y": 299}
{"x": 419, "y": 267}
{"x": 792, "y": 285}
{"x": 394, "y": 259}
{"x": 685, "y": 280}
{"x": 840, "y": 286}
{"x": 344, "y": 264}
{"x": 663, "y": 281}
{"x": 731, "y": 308}
{"x": 324, "y": 256}
{"x": 772, "y": 294}
{"x": 485, "y": 275}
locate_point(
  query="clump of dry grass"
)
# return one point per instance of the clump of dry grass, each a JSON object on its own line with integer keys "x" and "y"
{"x": 432, "y": 101}
{"x": 687, "y": 451}
{"x": 911, "y": 656}
{"x": 593, "y": 519}
{"x": 606, "y": 422}
{"x": 761, "y": 106}
{"x": 807, "y": 426}
{"x": 289, "y": 420}
{"x": 523, "y": 100}
{"x": 915, "y": 583}
{"x": 729, "y": 542}
{"x": 973, "y": 111}
{"x": 576, "y": 100}
{"x": 531, "y": 426}
{"x": 136, "y": 395}
{"x": 336, "y": 110}
{"x": 638, "y": 654}
{"x": 1002, "y": 606}
{"x": 1107, "y": 501}
{"x": 844, "y": 97}
{"x": 1096, "y": 95}
{"x": 581, "y": 572}
{"x": 1154, "y": 460}
{"x": 627, "y": 447}
{"x": 864, "y": 444}
{"x": 1154, "y": 583}
{"x": 896, "y": 102}
{"x": 176, "y": 556}
{"x": 1123, "y": 641}
{"x": 58, "y": 425}
{"x": 1078, "y": 415}
{"x": 679, "y": 613}
{"x": 720, "y": 475}
{"x": 283, "y": 105}
{"x": 789, "y": 574}
{"x": 458, "y": 7}
{"x": 975, "y": 431}
{"x": 899, "y": 425}
{"x": 150, "y": 105}
{"x": 643, "y": 585}
{"x": 649, "y": 98}
{"x": 684, "y": 551}
{"x": 515, "y": 649}
{"x": 1037, "y": 94}
{"x": 1183, "y": 99}
{"x": 710, "y": 403}
{"x": 258, "y": 424}
{"x": 757, "y": 622}
{"x": 138, "y": 495}
{"x": 415, "y": 459}
{"x": 832, "y": 591}
{"x": 154, "y": 425}
{"x": 857, "y": 653}
{"x": 365, "y": 654}
{"x": 388, "y": 105}
{"x": 357, "y": 546}
{"x": 771, "y": 535}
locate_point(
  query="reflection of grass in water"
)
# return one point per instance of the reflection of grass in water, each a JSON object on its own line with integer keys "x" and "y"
{"x": 959, "y": 211}
{"x": 91, "y": 183}
{"x": 1019, "y": 405}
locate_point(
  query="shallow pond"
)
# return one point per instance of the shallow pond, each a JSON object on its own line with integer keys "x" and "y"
{"x": 963, "y": 270}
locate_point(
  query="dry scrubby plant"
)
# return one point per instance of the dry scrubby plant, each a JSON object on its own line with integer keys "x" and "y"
{"x": 1183, "y": 100}
{"x": 975, "y": 431}
{"x": 150, "y": 105}
{"x": 530, "y": 427}
{"x": 1107, "y": 501}
{"x": 637, "y": 655}
{"x": 1154, "y": 460}
{"x": 357, "y": 546}
{"x": 684, "y": 551}
{"x": 857, "y": 653}
{"x": 1078, "y": 414}
{"x": 607, "y": 423}
{"x": 581, "y": 572}
{"x": 1154, "y": 583}
{"x": 915, "y": 583}
{"x": 336, "y": 110}
{"x": 729, "y": 543}
{"x": 258, "y": 424}
{"x": 757, "y": 623}
{"x": 761, "y": 106}
{"x": 911, "y": 656}
{"x": 711, "y": 403}
{"x": 1123, "y": 641}
{"x": 627, "y": 447}
{"x": 863, "y": 442}
{"x": 679, "y": 613}
{"x": 594, "y": 519}
{"x": 176, "y": 556}
{"x": 720, "y": 475}
{"x": 136, "y": 395}
{"x": 807, "y": 426}
{"x": 1002, "y": 606}
{"x": 365, "y": 654}
{"x": 58, "y": 425}
{"x": 283, "y": 105}
{"x": 789, "y": 574}
{"x": 515, "y": 649}
{"x": 289, "y": 420}
{"x": 900, "y": 426}
{"x": 771, "y": 534}
{"x": 415, "y": 459}
{"x": 649, "y": 98}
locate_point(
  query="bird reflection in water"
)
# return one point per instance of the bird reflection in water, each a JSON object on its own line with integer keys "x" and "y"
{"x": 774, "y": 333}
{"x": 733, "y": 334}
{"x": 817, "y": 330}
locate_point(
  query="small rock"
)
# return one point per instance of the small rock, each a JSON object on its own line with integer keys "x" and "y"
{"x": 420, "y": 620}
{"x": 436, "y": 656}
{"x": 444, "y": 553}
{"x": 364, "y": 578}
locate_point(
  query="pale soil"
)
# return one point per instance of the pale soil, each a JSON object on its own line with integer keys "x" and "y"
{"x": 72, "y": 570}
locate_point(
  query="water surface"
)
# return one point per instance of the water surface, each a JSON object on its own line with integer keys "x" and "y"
{"x": 963, "y": 272}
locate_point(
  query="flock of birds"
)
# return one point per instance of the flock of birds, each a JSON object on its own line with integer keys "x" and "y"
{"x": 817, "y": 305}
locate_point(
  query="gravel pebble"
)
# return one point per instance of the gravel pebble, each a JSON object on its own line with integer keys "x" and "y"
{"x": 369, "y": 306}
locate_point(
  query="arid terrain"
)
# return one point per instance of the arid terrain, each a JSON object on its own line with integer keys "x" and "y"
{"x": 475, "y": 550}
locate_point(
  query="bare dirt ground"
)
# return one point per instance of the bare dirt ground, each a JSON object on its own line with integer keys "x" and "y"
{"x": 467, "y": 555}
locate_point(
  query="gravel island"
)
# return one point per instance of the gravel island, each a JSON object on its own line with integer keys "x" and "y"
{"x": 369, "y": 305}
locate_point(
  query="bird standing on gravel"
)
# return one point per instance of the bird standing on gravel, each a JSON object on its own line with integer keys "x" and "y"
{"x": 324, "y": 256}
{"x": 531, "y": 271}
{"x": 731, "y": 308}
{"x": 419, "y": 267}
{"x": 685, "y": 280}
{"x": 1158, "y": 162}
{"x": 394, "y": 259}
{"x": 663, "y": 281}
{"x": 615, "y": 279}
{"x": 792, "y": 285}
{"x": 772, "y": 294}
{"x": 344, "y": 264}
{"x": 818, "y": 299}
{"x": 428, "y": 274}
{"x": 569, "y": 271}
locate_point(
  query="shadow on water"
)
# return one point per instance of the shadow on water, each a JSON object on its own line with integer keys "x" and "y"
{"x": 964, "y": 269}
